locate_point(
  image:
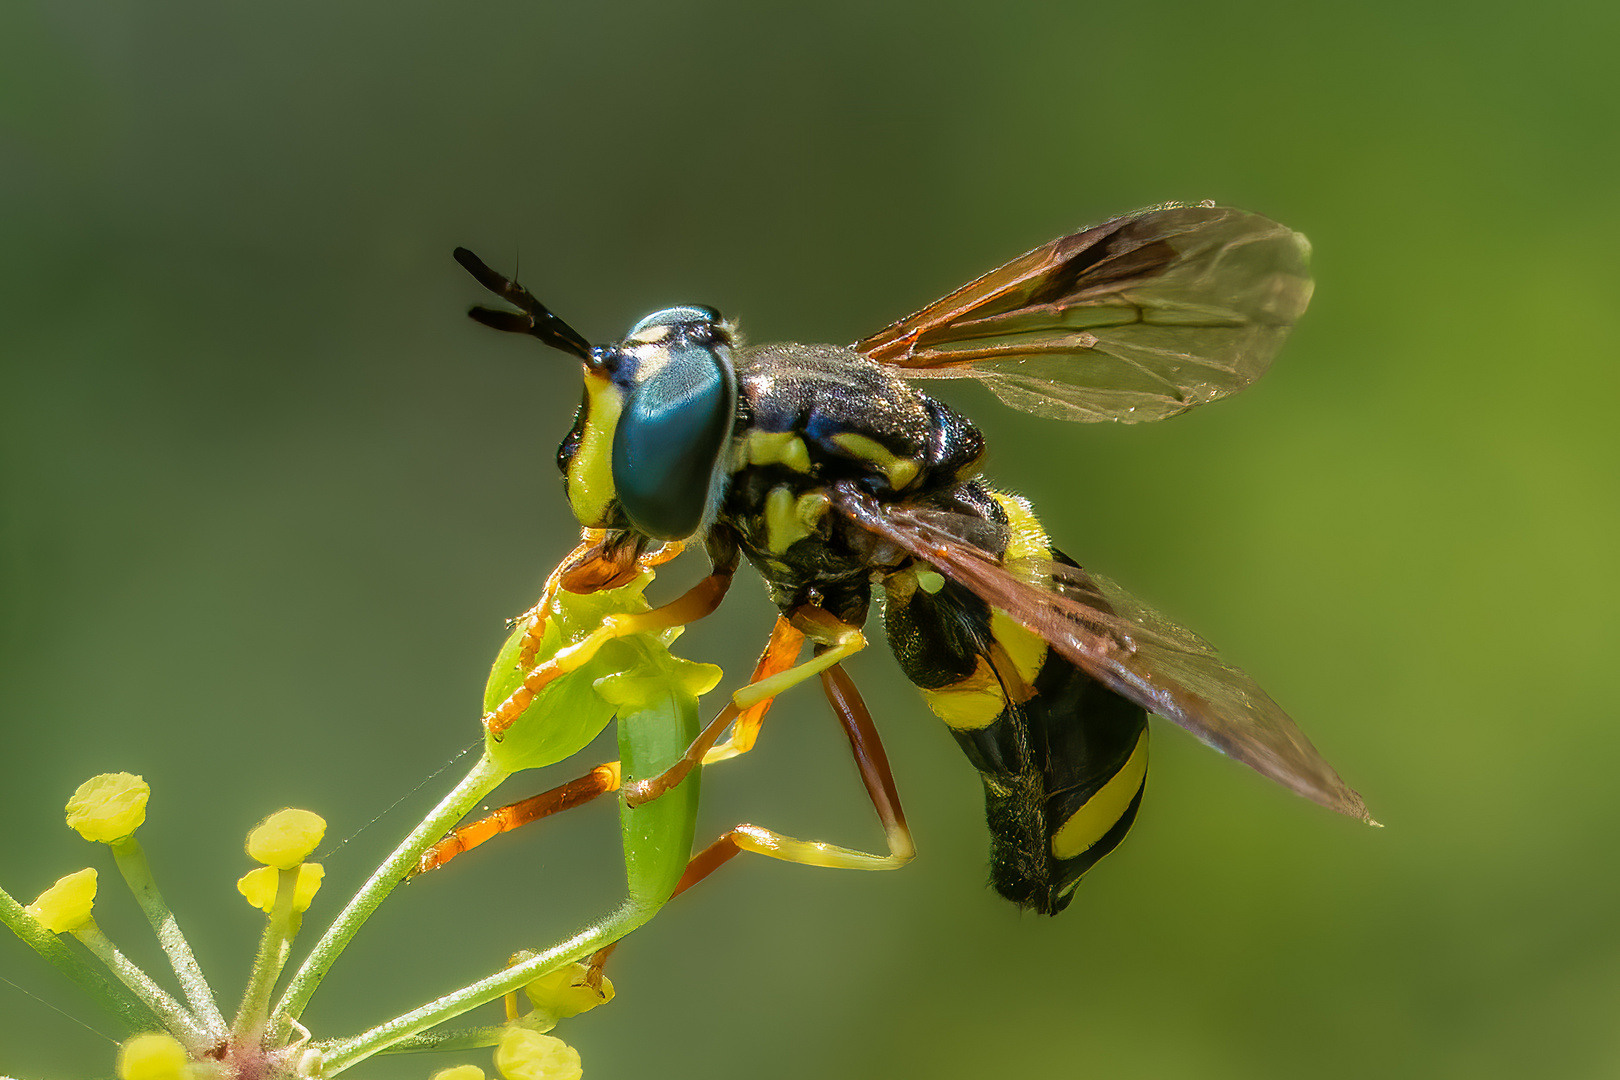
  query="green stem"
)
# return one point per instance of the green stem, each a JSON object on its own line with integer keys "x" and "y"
{"x": 349, "y": 1052}
{"x": 254, "y": 1015}
{"x": 485, "y": 777}
{"x": 171, "y": 1014}
{"x": 473, "y": 1038}
{"x": 131, "y": 858}
{"x": 125, "y": 1006}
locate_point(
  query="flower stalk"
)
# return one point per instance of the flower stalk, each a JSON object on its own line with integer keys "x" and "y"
{"x": 170, "y": 1012}
{"x": 344, "y": 1054}
{"x": 131, "y": 860}
{"x": 125, "y": 1007}
{"x": 484, "y": 778}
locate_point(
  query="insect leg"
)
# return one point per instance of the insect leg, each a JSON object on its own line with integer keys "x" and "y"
{"x": 536, "y": 615}
{"x": 599, "y": 781}
{"x": 601, "y": 561}
{"x": 774, "y": 674}
{"x": 836, "y": 641}
{"x": 779, "y": 654}
{"x": 875, "y": 773}
{"x": 694, "y": 604}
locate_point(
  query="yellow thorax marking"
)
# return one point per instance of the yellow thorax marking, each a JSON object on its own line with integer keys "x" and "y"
{"x": 590, "y": 473}
{"x": 775, "y": 448}
{"x": 789, "y": 519}
{"x": 900, "y": 471}
{"x": 1103, "y": 810}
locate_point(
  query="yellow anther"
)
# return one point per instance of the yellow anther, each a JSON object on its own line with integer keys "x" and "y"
{"x": 259, "y": 886}
{"x": 285, "y": 838}
{"x": 459, "y": 1072}
{"x": 67, "y": 904}
{"x": 567, "y": 992}
{"x": 529, "y": 1055}
{"x": 151, "y": 1056}
{"x": 108, "y": 807}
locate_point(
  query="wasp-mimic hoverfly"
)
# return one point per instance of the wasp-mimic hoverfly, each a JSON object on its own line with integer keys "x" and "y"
{"x": 827, "y": 469}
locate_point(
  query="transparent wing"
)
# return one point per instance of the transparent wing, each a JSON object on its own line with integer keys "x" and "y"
{"x": 1120, "y": 642}
{"x": 1136, "y": 319}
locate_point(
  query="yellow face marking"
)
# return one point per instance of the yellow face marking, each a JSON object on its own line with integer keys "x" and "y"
{"x": 973, "y": 703}
{"x": 776, "y": 448}
{"x": 900, "y": 471}
{"x": 652, "y": 335}
{"x": 590, "y": 474}
{"x": 1103, "y": 810}
{"x": 929, "y": 582}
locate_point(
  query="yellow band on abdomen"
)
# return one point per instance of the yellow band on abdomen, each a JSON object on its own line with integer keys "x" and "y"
{"x": 1103, "y": 810}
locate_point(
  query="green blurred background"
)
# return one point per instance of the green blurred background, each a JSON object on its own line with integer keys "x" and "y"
{"x": 268, "y": 496}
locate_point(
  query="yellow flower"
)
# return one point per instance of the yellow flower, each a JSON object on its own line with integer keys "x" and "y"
{"x": 564, "y": 992}
{"x": 529, "y": 1055}
{"x": 259, "y": 886}
{"x": 460, "y": 1072}
{"x": 108, "y": 807}
{"x": 151, "y": 1057}
{"x": 285, "y": 838}
{"x": 66, "y": 905}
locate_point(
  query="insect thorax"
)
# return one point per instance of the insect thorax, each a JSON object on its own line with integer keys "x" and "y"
{"x": 811, "y": 416}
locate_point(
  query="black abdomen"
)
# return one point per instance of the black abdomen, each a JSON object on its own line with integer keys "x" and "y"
{"x": 1063, "y": 759}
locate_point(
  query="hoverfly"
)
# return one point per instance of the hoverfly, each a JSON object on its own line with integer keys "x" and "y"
{"x": 831, "y": 472}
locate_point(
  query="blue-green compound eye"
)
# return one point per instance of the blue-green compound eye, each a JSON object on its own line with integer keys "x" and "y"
{"x": 676, "y": 421}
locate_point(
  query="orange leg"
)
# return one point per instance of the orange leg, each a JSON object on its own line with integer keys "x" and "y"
{"x": 870, "y": 757}
{"x": 694, "y": 604}
{"x": 779, "y": 655}
{"x": 593, "y": 970}
{"x": 536, "y": 616}
{"x": 706, "y": 862}
{"x": 775, "y": 673}
{"x": 875, "y": 773}
{"x": 602, "y": 560}
{"x": 599, "y": 781}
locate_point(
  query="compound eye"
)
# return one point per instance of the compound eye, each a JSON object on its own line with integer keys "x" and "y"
{"x": 687, "y": 320}
{"x": 676, "y": 423}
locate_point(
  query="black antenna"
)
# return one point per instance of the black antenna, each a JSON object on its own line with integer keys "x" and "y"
{"x": 535, "y": 319}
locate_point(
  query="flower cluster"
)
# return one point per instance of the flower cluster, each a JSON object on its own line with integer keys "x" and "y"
{"x": 187, "y": 1036}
